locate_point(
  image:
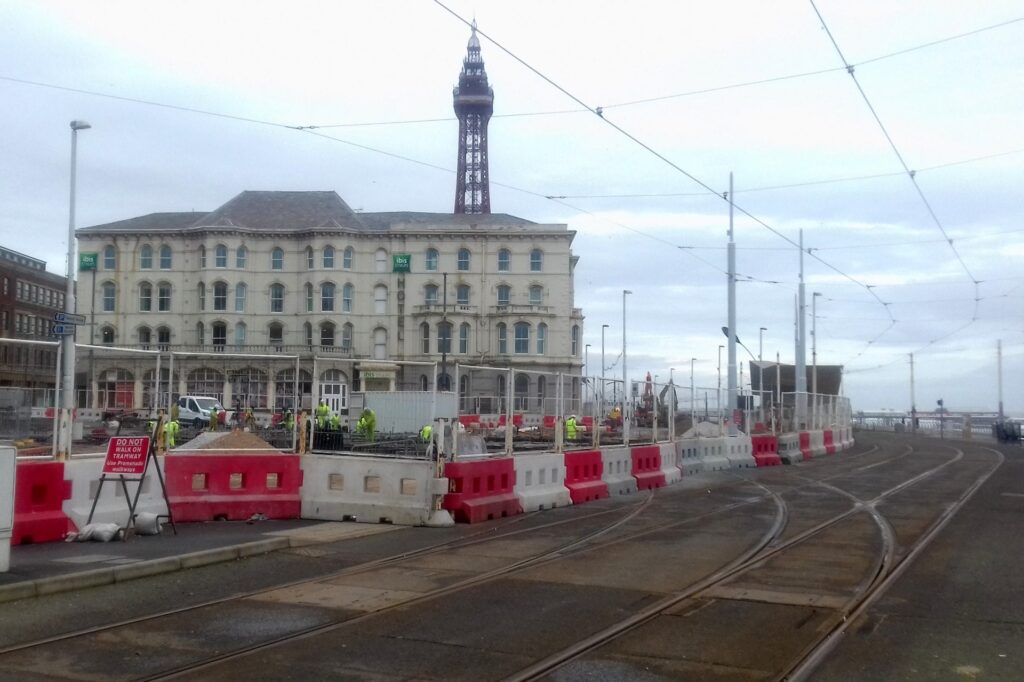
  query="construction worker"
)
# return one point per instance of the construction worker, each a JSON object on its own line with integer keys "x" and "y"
{"x": 171, "y": 432}
{"x": 426, "y": 432}
{"x": 250, "y": 419}
{"x": 289, "y": 420}
{"x": 334, "y": 423}
{"x": 322, "y": 413}
{"x": 367, "y": 424}
{"x": 570, "y": 427}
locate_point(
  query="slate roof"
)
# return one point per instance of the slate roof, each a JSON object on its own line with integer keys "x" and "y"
{"x": 299, "y": 211}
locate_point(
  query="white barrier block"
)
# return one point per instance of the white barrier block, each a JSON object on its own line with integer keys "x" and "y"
{"x": 670, "y": 463}
{"x": 540, "y": 481}
{"x": 368, "y": 489}
{"x": 8, "y": 469}
{"x": 712, "y": 454}
{"x": 789, "y": 448}
{"x": 112, "y": 507}
{"x": 739, "y": 451}
{"x": 817, "y": 443}
{"x": 618, "y": 470}
{"x": 689, "y": 454}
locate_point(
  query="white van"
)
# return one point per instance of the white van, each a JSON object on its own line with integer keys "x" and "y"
{"x": 196, "y": 409}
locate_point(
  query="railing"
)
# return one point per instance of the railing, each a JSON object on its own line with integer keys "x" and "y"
{"x": 255, "y": 349}
{"x": 439, "y": 309}
{"x": 520, "y": 309}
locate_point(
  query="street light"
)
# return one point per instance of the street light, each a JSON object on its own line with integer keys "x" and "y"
{"x": 693, "y": 401}
{"x": 68, "y": 340}
{"x": 626, "y": 412}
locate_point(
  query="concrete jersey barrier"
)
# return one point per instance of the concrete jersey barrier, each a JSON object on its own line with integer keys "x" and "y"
{"x": 618, "y": 470}
{"x": 540, "y": 481}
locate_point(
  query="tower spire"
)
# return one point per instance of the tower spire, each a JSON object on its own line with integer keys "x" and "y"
{"x": 474, "y": 102}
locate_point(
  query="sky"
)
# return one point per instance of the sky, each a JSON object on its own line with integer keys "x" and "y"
{"x": 193, "y": 102}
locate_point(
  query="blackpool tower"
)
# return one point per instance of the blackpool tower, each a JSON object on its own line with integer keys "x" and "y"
{"x": 474, "y": 103}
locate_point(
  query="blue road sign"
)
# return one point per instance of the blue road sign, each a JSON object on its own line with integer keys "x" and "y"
{"x": 69, "y": 318}
{"x": 62, "y": 329}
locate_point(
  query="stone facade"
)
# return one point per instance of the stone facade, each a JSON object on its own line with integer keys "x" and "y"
{"x": 274, "y": 274}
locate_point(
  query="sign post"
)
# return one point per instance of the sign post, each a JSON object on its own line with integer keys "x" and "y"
{"x": 128, "y": 460}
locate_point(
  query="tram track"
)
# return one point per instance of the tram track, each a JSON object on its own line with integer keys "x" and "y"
{"x": 878, "y": 577}
{"x": 765, "y": 547}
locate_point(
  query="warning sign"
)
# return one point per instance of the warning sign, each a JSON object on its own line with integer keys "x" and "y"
{"x": 126, "y": 456}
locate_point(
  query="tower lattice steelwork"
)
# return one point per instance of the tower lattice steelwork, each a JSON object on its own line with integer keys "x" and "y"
{"x": 474, "y": 103}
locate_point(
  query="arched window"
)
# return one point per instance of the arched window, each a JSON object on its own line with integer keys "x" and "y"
{"x": 462, "y": 294}
{"x": 346, "y": 298}
{"x": 310, "y": 258}
{"x": 116, "y": 389}
{"x": 109, "y": 257}
{"x": 240, "y": 334}
{"x": 163, "y": 337}
{"x": 285, "y": 395}
{"x": 346, "y": 336}
{"x": 522, "y": 337}
{"x": 328, "y": 257}
{"x": 275, "y": 334}
{"x": 463, "y": 386}
{"x": 431, "y": 259}
{"x": 145, "y": 297}
{"x": 220, "y": 335}
{"x": 575, "y": 340}
{"x": 327, "y": 297}
{"x": 107, "y": 335}
{"x": 163, "y": 297}
{"x": 249, "y": 387}
{"x": 145, "y": 337}
{"x": 277, "y": 298}
{"x": 201, "y": 296}
{"x": 327, "y": 334}
{"x": 220, "y": 296}
{"x": 504, "y": 260}
{"x": 444, "y": 382}
{"x": 154, "y": 392}
{"x": 542, "y": 389}
{"x": 309, "y": 298}
{"x": 308, "y": 329}
{"x": 502, "y": 338}
{"x": 425, "y": 338}
{"x": 380, "y": 299}
{"x": 504, "y": 294}
{"x": 464, "y": 337}
{"x": 444, "y": 337}
{"x": 240, "y": 256}
{"x": 380, "y": 343}
{"x": 536, "y": 295}
{"x": 463, "y": 260}
{"x": 205, "y": 381}
{"x": 146, "y": 257}
{"x": 424, "y": 382}
{"x": 346, "y": 260}
{"x": 220, "y": 256}
{"x": 334, "y": 389}
{"x": 165, "y": 257}
{"x": 200, "y": 334}
{"x": 240, "y": 293}
{"x": 502, "y": 389}
{"x": 536, "y": 260}
{"x": 381, "y": 260}
{"x": 277, "y": 259}
{"x": 542, "y": 338}
{"x": 430, "y": 294}
{"x": 522, "y": 391}
{"x": 109, "y": 290}
{"x": 202, "y": 256}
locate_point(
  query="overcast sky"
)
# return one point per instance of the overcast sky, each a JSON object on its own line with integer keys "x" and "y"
{"x": 376, "y": 77}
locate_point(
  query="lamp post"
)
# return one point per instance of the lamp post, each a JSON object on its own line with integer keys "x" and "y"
{"x": 68, "y": 341}
{"x": 603, "y": 327}
{"x": 626, "y": 411}
{"x": 693, "y": 400}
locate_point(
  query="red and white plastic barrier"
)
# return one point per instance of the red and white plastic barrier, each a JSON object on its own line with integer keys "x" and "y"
{"x": 583, "y": 476}
{"x": 481, "y": 490}
{"x": 233, "y": 486}
{"x": 39, "y": 494}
